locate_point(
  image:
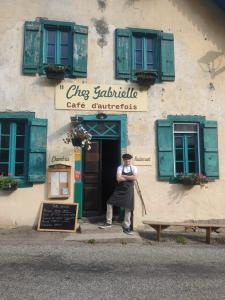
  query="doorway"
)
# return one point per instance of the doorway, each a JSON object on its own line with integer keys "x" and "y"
{"x": 99, "y": 175}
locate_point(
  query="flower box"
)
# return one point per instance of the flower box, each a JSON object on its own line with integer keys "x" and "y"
{"x": 146, "y": 76}
{"x": 55, "y": 72}
{"x": 10, "y": 187}
{"x": 190, "y": 180}
{"x": 7, "y": 183}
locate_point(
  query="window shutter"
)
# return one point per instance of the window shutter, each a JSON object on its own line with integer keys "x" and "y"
{"x": 80, "y": 35}
{"x": 31, "y": 52}
{"x": 211, "y": 161}
{"x": 37, "y": 150}
{"x": 167, "y": 57}
{"x": 123, "y": 54}
{"x": 165, "y": 149}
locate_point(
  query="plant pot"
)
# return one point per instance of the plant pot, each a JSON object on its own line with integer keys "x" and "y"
{"x": 77, "y": 142}
{"x": 9, "y": 188}
{"x": 146, "y": 77}
{"x": 189, "y": 182}
{"x": 55, "y": 75}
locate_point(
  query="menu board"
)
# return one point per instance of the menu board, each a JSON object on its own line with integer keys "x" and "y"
{"x": 55, "y": 216}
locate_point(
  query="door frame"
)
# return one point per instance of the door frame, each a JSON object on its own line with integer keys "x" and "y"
{"x": 78, "y": 160}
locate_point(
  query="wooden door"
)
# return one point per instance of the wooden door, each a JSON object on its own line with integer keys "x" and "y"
{"x": 92, "y": 189}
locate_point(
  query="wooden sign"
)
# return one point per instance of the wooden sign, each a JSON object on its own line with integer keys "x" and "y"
{"x": 100, "y": 97}
{"x": 142, "y": 160}
{"x": 57, "y": 216}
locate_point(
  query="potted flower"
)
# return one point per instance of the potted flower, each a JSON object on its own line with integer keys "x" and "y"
{"x": 8, "y": 183}
{"x": 55, "y": 71}
{"x": 79, "y": 137}
{"x": 190, "y": 180}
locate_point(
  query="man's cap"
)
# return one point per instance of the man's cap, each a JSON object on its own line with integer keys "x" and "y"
{"x": 127, "y": 156}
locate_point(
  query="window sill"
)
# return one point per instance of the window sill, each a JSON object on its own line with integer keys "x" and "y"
{"x": 23, "y": 183}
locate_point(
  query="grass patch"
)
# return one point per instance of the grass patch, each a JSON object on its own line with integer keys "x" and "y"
{"x": 181, "y": 240}
{"x": 92, "y": 241}
{"x": 220, "y": 240}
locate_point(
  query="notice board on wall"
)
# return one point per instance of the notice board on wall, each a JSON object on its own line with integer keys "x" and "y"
{"x": 59, "y": 177}
{"x": 57, "y": 216}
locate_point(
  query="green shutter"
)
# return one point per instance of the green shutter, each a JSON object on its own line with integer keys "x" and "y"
{"x": 31, "y": 52}
{"x": 211, "y": 161}
{"x": 123, "y": 54}
{"x": 80, "y": 40}
{"x": 165, "y": 149}
{"x": 167, "y": 57}
{"x": 37, "y": 150}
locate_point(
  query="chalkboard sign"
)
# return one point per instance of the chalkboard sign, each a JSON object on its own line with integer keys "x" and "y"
{"x": 57, "y": 216}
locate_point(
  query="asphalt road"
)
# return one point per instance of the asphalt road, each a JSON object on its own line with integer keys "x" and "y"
{"x": 52, "y": 268}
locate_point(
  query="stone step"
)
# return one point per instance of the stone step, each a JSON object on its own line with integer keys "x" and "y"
{"x": 104, "y": 237}
{"x": 91, "y": 233}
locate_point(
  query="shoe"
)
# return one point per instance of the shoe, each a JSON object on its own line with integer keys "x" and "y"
{"x": 127, "y": 231}
{"x": 105, "y": 226}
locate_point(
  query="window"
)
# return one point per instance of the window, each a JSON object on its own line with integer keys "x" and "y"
{"x": 144, "y": 51}
{"x": 12, "y": 148}
{"x": 23, "y": 147}
{"x": 55, "y": 43}
{"x": 57, "y": 46}
{"x": 187, "y": 144}
{"x": 186, "y": 148}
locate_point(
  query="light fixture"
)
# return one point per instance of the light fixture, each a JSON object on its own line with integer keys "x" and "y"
{"x": 76, "y": 120}
{"x": 101, "y": 116}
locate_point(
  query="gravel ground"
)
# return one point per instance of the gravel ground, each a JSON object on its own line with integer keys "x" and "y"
{"x": 46, "y": 266}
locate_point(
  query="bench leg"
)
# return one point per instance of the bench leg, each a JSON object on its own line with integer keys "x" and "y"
{"x": 208, "y": 235}
{"x": 158, "y": 232}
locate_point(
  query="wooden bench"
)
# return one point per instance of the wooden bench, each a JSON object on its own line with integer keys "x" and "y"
{"x": 160, "y": 226}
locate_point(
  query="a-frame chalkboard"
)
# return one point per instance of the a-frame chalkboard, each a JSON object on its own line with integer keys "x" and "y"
{"x": 58, "y": 216}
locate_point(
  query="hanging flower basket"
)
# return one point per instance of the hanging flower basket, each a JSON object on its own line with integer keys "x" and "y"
{"x": 77, "y": 142}
{"x": 55, "y": 71}
{"x": 79, "y": 137}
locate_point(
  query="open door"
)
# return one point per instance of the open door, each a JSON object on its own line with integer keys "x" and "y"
{"x": 99, "y": 175}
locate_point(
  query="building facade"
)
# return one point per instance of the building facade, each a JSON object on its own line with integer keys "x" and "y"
{"x": 141, "y": 76}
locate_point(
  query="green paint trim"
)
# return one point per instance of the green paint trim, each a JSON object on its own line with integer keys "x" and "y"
{"x": 23, "y": 183}
{"x": 12, "y": 149}
{"x": 17, "y": 115}
{"x": 119, "y": 118}
{"x": 186, "y": 118}
{"x": 78, "y": 197}
{"x": 78, "y": 165}
{"x": 57, "y": 24}
{"x": 143, "y": 31}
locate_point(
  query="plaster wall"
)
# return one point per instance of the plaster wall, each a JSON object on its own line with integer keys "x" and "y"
{"x": 199, "y": 30}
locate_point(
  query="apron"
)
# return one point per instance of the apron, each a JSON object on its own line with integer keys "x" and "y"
{"x": 123, "y": 195}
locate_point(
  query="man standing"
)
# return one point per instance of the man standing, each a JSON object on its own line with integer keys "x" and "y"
{"x": 123, "y": 196}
